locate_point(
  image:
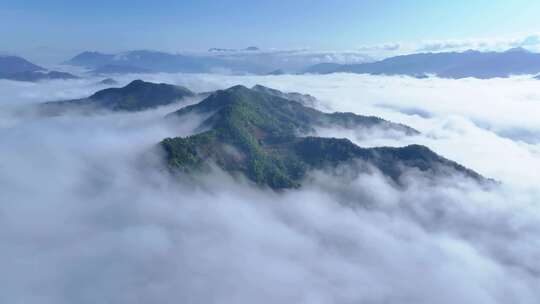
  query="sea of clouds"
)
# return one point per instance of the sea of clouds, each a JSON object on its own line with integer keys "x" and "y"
{"x": 88, "y": 215}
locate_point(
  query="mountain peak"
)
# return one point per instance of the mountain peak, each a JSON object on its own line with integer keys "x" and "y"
{"x": 14, "y": 64}
{"x": 88, "y": 55}
{"x": 238, "y": 88}
{"x": 137, "y": 83}
{"x": 281, "y": 113}
{"x": 139, "y": 95}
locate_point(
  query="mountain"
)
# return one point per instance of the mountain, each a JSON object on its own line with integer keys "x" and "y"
{"x": 118, "y": 69}
{"x": 20, "y": 69}
{"x": 537, "y": 77}
{"x": 161, "y": 62}
{"x": 258, "y": 135}
{"x": 270, "y": 104}
{"x": 455, "y": 65}
{"x": 12, "y": 65}
{"x": 90, "y": 59}
{"x": 136, "y": 96}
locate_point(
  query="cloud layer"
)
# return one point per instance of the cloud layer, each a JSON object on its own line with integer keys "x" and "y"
{"x": 379, "y": 51}
{"x": 88, "y": 216}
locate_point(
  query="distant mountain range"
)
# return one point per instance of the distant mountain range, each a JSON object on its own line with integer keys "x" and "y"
{"x": 140, "y": 95}
{"x": 483, "y": 65}
{"x": 136, "y": 96}
{"x": 258, "y": 135}
{"x": 477, "y": 64}
{"x": 250, "y": 60}
{"x": 153, "y": 61}
{"x": 20, "y": 69}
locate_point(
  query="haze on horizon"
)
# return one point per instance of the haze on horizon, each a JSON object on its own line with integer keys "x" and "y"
{"x": 54, "y": 30}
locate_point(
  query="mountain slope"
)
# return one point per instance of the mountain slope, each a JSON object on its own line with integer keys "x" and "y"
{"x": 20, "y": 69}
{"x": 12, "y": 65}
{"x": 456, "y": 65}
{"x": 136, "y": 96}
{"x": 90, "y": 59}
{"x": 275, "y": 109}
{"x": 118, "y": 69}
{"x": 257, "y": 135}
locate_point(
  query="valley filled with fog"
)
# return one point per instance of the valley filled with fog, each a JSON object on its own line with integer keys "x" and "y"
{"x": 89, "y": 213}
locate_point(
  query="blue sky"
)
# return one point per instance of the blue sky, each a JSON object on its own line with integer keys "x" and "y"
{"x": 197, "y": 25}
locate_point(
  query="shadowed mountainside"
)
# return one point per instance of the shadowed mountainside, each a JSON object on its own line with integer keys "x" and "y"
{"x": 305, "y": 99}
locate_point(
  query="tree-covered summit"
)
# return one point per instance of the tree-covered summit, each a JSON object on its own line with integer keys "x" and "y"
{"x": 279, "y": 116}
{"x": 260, "y": 135}
{"x": 138, "y": 95}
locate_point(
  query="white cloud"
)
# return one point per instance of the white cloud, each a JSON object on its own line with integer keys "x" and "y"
{"x": 531, "y": 42}
{"x": 85, "y": 217}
